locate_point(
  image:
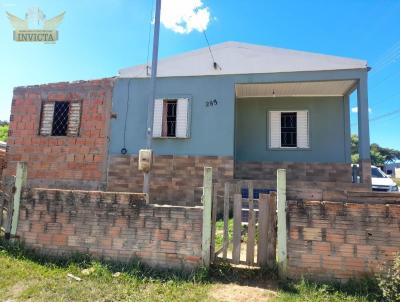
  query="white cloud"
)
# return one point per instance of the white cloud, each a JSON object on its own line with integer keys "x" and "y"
{"x": 184, "y": 16}
{"x": 355, "y": 109}
{"x": 5, "y": 5}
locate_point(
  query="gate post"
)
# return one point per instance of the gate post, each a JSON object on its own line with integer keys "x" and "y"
{"x": 281, "y": 216}
{"x": 207, "y": 203}
{"x": 20, "y": 181}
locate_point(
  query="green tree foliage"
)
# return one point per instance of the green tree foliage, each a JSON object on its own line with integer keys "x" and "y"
{"x": 3, "y": 133}
{"x": 379, "y": 155}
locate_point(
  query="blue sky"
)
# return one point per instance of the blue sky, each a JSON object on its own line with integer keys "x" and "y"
{"x": 97, "y": 38}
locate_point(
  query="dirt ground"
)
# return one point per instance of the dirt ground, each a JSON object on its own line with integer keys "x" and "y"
{"x": 245, "y": 293}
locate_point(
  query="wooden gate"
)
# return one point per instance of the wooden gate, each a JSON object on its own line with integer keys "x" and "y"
{"x": 243, "y": 229}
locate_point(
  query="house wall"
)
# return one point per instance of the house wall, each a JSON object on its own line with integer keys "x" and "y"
{"x": 179, "y": 162}
{"x": 174, "y": 179}
{"x": 62, "y": 162}
{"x": 339, "y": 241}
{"x": 177, "y": 175}
{"x": 211, "y": 128}
{"x": 120, "y": 227}
{"x": 327, "y": 131}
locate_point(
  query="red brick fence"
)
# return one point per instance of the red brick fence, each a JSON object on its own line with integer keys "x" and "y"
{"x": 118, "y": 226}
{"x": 338, "y": 241}
{"x": 324, "y": 240}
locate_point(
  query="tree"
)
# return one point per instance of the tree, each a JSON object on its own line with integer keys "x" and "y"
{"x": 379, "y": 155}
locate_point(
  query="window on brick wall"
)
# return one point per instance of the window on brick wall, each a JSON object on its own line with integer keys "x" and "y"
{"x": 60, "y": 118}
{"x": 171, "y": 118}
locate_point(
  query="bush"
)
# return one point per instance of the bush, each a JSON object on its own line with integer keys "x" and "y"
{"x": 389, "y": 282}
{"x": 3, "y": 133}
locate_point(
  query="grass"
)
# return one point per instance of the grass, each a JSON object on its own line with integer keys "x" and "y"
{"x": 365, "y": 290}
{"x": 397, "y": 181}
{"x": 219, "y": 234}
{"x": 29, "y": 276}
{"x": 26, "y": 276}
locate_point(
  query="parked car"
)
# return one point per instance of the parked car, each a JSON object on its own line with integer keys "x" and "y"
{"x": 381, "y": 182}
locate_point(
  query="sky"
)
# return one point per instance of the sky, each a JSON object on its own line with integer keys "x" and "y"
{"x": 97, "y": 38}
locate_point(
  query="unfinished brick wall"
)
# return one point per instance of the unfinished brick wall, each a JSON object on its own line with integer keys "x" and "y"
{"x": 118, "y": 226}
{"x": 338, "y": 241}
{"x": 174, "y": 179}
{"x": 61, "y": 161}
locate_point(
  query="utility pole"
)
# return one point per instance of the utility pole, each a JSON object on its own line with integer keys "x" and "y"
{"x": 152, "y": 94}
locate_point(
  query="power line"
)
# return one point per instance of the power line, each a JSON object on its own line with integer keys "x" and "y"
{"x": 386, "y": 78}
{"x": 382, "y": 116}
{"x": 385, "y": 115}
{"x": 209, "y": 48}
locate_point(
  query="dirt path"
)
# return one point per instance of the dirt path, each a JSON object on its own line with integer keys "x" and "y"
{"x": 242, "y": 293}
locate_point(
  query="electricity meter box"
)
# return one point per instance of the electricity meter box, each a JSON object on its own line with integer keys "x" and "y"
{"x": 145, "y": 160}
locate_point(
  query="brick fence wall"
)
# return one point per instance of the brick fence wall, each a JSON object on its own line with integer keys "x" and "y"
{"x": 61, "y": 161}
{"x": 176, "y": 179}
{"x": 338, "y": 241}
{"x": 118, "y": 226}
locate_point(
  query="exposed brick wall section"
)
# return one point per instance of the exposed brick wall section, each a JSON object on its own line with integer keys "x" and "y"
{"x": 338, "y": 241}
{"x": 61, "y": 162}
{"x": 118, "y": 226}
{"x": 321, "y": 172}
{"x": 176, "y": 179}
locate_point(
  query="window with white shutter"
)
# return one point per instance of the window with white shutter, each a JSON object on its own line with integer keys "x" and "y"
{"x": 60, "y": 118}
{"x": 158, "y": 118}
{"x": 182, "y": 118}
{"x": 171, "y": 118}
{"x": 289, "y": 129}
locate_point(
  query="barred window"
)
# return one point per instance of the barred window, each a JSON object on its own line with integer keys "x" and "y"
{"x": 288, "y": 129}
{"x": 60, "y": 118}
{"x": 171, "y": 118}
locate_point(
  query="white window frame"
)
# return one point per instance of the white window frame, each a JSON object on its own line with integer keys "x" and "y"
{"x": 270, "y": 135}
{"x": 158, "y": 118}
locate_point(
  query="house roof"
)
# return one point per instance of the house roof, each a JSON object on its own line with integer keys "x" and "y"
{"x": 243, "y": 58}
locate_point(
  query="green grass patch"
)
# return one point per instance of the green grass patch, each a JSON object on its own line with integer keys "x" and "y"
{"x": 397, "y": 181}
{"x": 25, "y": 275}
{"x": 365, "y": 290}
{"x": 219, "y": 234}
{"x": 28, "y": 276}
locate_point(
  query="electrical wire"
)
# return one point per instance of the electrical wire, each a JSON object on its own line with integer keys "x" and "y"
{"x": 209, "y": 48}
{"x": 397, "y": 111}
{"x": 382, "y": 116}
{"x": 385, "y": 79}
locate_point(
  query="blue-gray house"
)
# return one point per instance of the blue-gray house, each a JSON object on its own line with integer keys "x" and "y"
{"x": 254, "y": 110}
